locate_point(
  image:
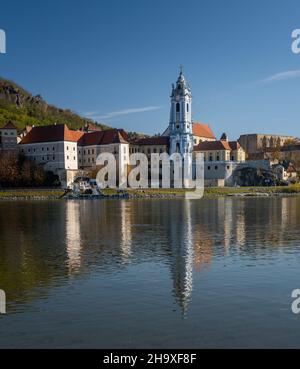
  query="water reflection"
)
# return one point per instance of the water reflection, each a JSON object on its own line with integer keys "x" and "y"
{"x": 73, "y": 236}
{"x": 126, "y": 231}
{"x": 43, "y": 244}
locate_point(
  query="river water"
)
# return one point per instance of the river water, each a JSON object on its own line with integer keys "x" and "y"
{"x": 214, "y": 273}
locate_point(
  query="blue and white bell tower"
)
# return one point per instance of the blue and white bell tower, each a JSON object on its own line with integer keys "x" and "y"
{"x": 180, "y": 126}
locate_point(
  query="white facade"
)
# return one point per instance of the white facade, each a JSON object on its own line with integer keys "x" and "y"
{"x": 53, "y": 155}
{"x": 180, "y": 126}
{"x": 87, "y": 155}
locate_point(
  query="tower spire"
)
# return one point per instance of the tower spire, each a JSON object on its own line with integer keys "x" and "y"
{"x": 181, "y": 134}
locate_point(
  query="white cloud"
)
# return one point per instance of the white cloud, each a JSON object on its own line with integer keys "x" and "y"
{"x": 99, "y": 116}
{"x": 283, "y": 76}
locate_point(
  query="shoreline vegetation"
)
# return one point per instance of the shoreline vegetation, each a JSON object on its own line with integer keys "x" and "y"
{"x": 209, "y": 192}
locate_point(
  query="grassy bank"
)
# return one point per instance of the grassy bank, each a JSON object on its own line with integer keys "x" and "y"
{"x": 231, "y": 191}
{"x": 212, "y": 192}
{"x": 31, "y": 194}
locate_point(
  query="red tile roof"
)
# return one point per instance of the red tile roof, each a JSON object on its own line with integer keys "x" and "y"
{"x": 106, "y": 137}
{"x": 9, "y": 125}
{"x": 213, "y": 145}
{"x": 156, "y": 140}
{"x": 202, "y": 130}
{"x": 59, "y": 132}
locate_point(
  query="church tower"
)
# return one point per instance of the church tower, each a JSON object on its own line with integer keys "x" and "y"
{"x": 180, "y": 126}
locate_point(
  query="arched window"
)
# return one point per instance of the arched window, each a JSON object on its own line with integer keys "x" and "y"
{"x": 177, "y": 108}
{"x": 187, "y": 107}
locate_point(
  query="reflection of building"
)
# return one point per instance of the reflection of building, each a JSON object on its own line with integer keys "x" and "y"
{"x": 126, "y": 232}
{"x": 181, "y": 239}
{"x": 73, "y": 235}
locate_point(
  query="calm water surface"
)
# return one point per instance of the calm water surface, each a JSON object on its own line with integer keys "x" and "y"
{"x": 150, "y": 273}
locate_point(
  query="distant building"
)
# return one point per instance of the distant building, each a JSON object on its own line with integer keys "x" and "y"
{"x": 256, "y": 144}
{"x": 54, "y": 147}
{"x": 220, "y": 160}
{"x": 222, "y": 150}
{"x": 113, "y": 141}
{"x": 8, "y": 137}
{"x": 65, "y": 152}
{"x": 285, "y": 172}
{"x": 90, "y": 127}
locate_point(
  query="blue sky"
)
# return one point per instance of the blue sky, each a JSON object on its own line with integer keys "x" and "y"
{"x": 115, "y": 60}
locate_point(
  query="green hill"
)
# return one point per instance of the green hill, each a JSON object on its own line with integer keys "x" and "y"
{"x": 22, "y": 108}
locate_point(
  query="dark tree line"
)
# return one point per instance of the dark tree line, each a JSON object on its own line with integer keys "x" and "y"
{"x": 18, "y": 171}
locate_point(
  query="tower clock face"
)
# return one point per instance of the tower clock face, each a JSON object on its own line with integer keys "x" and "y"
{"x": 177, "y": 98}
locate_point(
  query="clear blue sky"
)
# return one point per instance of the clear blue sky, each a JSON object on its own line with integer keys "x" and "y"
{"x": 116, "y": 59}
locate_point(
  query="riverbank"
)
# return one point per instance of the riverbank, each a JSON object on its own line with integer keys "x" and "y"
{"x": 211, "y": 192}
{"x": 31, "y": 194}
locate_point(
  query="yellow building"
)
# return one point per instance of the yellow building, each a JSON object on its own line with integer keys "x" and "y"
{"x": 222, "y": 150}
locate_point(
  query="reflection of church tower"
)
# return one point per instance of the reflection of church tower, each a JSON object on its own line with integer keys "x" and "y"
{"x": 73, "y": 237}
{"x": 180, "y": 126}
{"x": 183, "y": 254}
{"x": 126, "y": 233}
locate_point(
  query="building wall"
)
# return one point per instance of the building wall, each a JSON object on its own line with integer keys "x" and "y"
{"x": 198, "y": 139}
{"x": 53, "y": 155}
{"x": 255, "y": 143}
{"x": 50, "y": 153}
{"x": 219, "y": 171}
{"x": 214, "y": 155}
{"x": 149, "y": 149}
{"x": 8, "y": 139}
{"x": 70, "y": 155}
{"x": 238, "y": 155}
{"x": 87, "y": 155}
